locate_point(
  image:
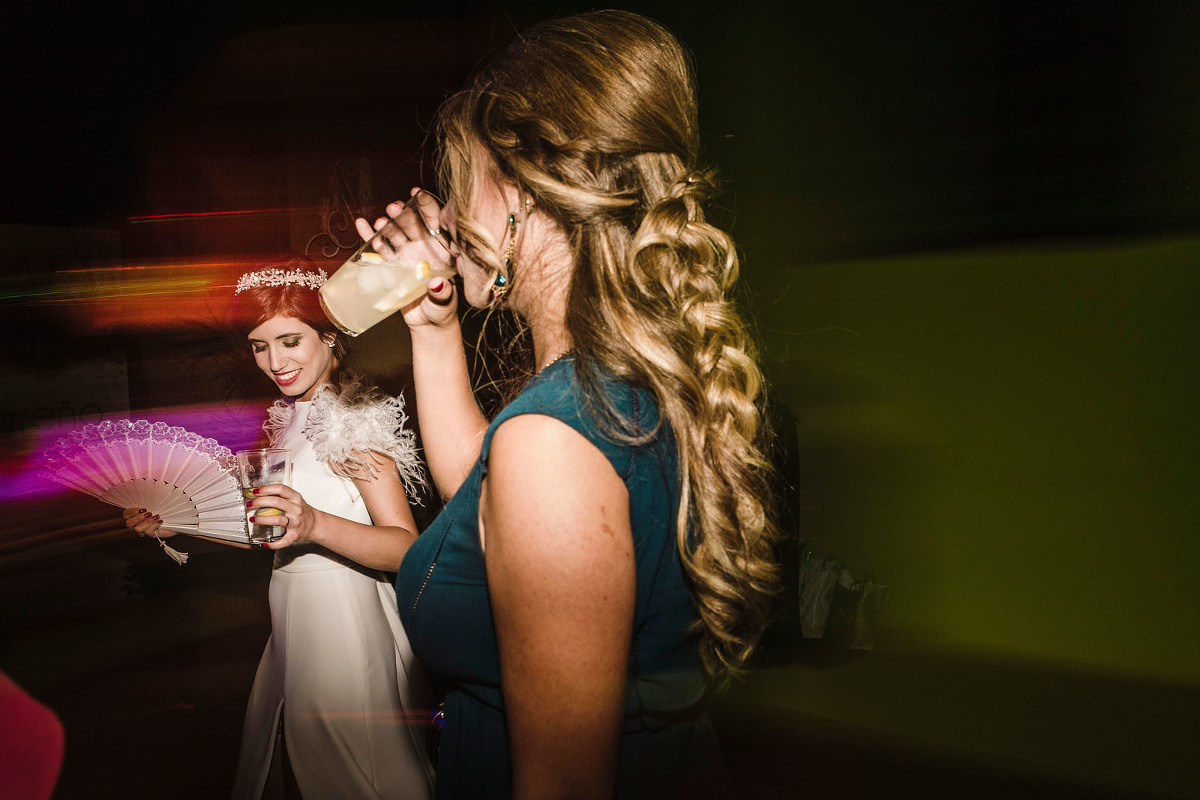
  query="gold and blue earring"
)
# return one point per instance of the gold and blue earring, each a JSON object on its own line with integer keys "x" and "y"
{"x": 500, "y": 286}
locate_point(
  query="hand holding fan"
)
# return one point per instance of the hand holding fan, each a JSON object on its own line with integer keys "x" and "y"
{"x": 183, "y": 478}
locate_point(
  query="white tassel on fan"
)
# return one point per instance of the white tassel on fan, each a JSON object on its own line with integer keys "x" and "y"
{"x": 185, "y": 479}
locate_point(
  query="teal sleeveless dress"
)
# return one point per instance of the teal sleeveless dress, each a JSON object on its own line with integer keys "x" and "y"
{"x": 668, "y": 747}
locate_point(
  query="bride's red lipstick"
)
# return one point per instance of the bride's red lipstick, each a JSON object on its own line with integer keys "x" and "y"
{"x": 287, "y": 381}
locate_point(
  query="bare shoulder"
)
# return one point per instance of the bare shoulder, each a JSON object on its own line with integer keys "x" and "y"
{"x": 546, "y": 480}
{"x": 538, "y": 434}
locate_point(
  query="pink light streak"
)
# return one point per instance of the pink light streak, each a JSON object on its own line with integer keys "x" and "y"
{"x": 201, "y": 214}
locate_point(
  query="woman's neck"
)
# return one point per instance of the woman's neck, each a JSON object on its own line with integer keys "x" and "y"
{"x": 540, "y": 297}
{"x": 312, "y": 391}
{"x": 549, "y": 347}
{"x": 545, "y": 314}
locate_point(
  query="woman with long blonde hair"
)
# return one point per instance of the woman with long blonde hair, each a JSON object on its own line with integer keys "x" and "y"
{"x": 604, "y": 555}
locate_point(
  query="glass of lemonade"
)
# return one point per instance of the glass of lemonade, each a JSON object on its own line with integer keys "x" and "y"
{"x": 375, "y": 282}
{"x": 259, "y": 468}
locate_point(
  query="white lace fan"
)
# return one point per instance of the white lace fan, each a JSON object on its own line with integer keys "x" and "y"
{"x": 185, "y": 479}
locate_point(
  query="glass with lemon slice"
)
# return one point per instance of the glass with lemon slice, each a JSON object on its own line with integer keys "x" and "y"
{"x": 375, "y": 283}
{"x": 367, "y": 289}
{"x": 260, "y": 468}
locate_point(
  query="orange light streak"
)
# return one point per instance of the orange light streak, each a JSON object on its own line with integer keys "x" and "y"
{"x": 146, "y": 296}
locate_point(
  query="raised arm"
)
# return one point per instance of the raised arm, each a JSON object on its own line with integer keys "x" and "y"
{"x": 451, "y": 423}
{"x": 561, "y": 577}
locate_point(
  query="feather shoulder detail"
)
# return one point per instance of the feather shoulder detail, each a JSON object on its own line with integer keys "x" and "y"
{"x": 352, "y": 419}
{"x": 279, "y": 416}
{"x": 355, "y": 419}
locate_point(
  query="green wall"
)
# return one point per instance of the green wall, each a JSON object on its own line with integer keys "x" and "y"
{"x": 1008, "y": 438}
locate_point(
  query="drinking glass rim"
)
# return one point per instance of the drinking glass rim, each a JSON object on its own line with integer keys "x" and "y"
{"x": 441, "y": 235}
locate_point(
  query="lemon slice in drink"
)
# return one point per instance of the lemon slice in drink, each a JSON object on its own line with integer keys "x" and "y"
{"x": 408, "y": 291}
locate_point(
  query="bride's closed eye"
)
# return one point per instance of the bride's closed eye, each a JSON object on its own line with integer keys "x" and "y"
{"x": 260, "y": 347}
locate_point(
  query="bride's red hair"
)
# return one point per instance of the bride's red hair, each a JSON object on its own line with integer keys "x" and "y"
{"x": 255, "y": 305}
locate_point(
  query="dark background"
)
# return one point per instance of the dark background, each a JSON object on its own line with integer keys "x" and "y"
{"x": 969, "y": 121}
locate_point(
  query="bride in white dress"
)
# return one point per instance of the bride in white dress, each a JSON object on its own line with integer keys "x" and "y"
{"x": 352, "y": 712}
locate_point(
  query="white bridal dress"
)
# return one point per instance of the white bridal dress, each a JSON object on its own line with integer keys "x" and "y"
{"x": 338, "y": 668}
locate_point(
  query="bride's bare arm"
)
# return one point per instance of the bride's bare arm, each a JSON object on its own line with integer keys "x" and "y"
{"x": 379, "y": 546}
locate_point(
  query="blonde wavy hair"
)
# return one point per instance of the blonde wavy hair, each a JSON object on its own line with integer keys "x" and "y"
{"x": 594, "y": 118}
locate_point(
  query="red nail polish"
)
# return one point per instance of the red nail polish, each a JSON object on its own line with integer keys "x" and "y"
{"x": 437, "y": 287}
{"x": 256, "y": 491}
{"x": 254, "y": 519}
{"x": 141, "y": 511}
{"x": 250, "y": 505}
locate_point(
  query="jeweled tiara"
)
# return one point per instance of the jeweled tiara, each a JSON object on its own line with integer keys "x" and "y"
{"x": 281, "y": 277}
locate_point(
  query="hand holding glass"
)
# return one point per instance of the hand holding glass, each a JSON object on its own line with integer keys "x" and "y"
{"x": 260, "y": 468}
{"x": 377, "y": 281}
